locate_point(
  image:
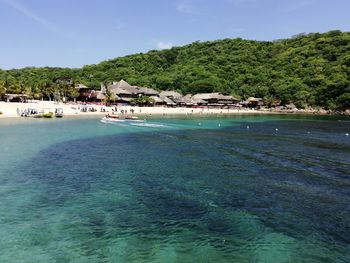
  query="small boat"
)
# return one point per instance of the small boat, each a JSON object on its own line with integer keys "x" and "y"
{"x": 131, "y": 117}
{"x": 112, "y": 116}
{"x": 43, "y": 115}
{"x": 109, "y": 119}
{"x": 59, "y": 113}
{"x": 48, "y": 115}
{"x": 29, "y": 112}
{"x": 116, "y": 119}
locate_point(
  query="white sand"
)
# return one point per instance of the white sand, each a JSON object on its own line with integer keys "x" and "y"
{"x": 9, "y": 109}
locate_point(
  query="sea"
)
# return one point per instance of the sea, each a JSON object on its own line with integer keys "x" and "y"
{"x": 243, "y": 188}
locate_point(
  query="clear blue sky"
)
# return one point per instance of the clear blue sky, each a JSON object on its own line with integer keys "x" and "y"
{"x": 72, "y": 33}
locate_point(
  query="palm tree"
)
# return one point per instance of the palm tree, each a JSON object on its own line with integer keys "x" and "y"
{"x": 144, "y": 100}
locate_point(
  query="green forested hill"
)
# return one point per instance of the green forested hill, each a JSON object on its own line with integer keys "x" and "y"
{"x": 312, "y": 69}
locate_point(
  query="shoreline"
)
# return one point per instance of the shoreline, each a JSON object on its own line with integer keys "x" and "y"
{"x": 10, "y": 109}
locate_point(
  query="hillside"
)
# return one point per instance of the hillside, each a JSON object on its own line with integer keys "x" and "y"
{"x": 312, "y": 69}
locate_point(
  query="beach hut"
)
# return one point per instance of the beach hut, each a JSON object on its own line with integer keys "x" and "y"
{"x": 187, "y": 100}
{"x": 253, "y": 102}
{"x": 176, "y": 97}
{"x": 146, "y": 91}
{"x": 215, "y": 99}
{"x": 127, "y": 92}
{"x": 87, "y": 95}
{"x": 199, "y": 102}
{"x": 16, "y": 97}
{"x": 100, "y": 96}
{"x": 120, "y": 84}
{"x": 170, "y": 94}
{"x": 168, "y": 101}
{"x": 158, "y": 100}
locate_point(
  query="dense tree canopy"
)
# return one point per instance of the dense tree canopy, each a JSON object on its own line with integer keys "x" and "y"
{"x": 308, "y": 70}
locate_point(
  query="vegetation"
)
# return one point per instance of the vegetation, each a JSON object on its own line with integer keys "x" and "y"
{"x": 143, "y": 100}
{"x": 307, "y": 70}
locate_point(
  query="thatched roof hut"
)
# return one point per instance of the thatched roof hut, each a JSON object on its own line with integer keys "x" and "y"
{"x": 120, "y": 84}
{"x": 187, "y": 100}
{"x": 100, "y": 95}
{"x": 157, "y": 100}
{"x": 146, "y": 91}
{"x": 120, "y": 91}
{"x": 16, "y": 97}
{"x": 254, "y": 102}
{"x": 80, "y": 86}
{"x": 170, "y": 94}
{"x": 124, "y": 88}
{"x": 167, "y": 100}
{"x": 214, "y": 99}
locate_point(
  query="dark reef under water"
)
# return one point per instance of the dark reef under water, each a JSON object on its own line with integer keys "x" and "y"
{"x": 230, "y": 194}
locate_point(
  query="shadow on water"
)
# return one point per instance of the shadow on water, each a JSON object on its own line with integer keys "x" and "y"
{"x": 252, "y": 195}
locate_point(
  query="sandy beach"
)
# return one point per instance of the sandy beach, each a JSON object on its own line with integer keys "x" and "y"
{"x": 11, "y": 109}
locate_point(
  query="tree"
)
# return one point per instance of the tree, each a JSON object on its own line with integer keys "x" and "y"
{"x": 2, "y": 88}
{"x": 202, "y": 86}
{"x": 310, "y": 69}
{"x": 143, "y": 100}
{"x": 343, "y": 101}
{"x": 73, "y": 93}
{"x": 109, "y": 96}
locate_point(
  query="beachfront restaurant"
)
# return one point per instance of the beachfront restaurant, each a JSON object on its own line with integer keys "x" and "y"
{"x": 87, "y": 95}
{"x": 255, "y": 103}
{"x": 127, "y": 93}
{"x": 157, "y": 100}
{"x": 174, "y": 96}
{"x": 214, "y": 100}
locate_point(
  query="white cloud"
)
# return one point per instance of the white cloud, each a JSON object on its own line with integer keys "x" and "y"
{"x": 184, "y": 8}
{"x": 164, "y": 45}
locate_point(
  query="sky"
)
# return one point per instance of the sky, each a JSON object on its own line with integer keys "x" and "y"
{"x": 73, "y": 33}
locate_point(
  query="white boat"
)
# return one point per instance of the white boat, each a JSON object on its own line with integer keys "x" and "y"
{"x": 128, "y": 117}
{"x": 58, "y": 112}
{"x": 109, "y": 119}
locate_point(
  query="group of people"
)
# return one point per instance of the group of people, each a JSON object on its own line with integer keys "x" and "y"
{"x": 115, "y": 110}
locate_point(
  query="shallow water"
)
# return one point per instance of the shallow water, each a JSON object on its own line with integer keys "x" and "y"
{"x": 229, "y": 189}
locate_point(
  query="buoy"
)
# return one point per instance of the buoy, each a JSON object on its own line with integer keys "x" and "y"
{"x": 219, "y": 125}
{"x": 199, "y": 123}
{"x": 347, "y": 134}
{"x": 276, "y": 130}
{"x": 247, "y": 126}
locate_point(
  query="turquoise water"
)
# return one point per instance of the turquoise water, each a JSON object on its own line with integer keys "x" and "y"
{"x": 229, "y": 189}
